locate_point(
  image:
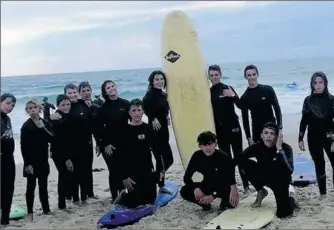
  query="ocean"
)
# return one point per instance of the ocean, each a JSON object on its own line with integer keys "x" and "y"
{"x": 133, "y": 83}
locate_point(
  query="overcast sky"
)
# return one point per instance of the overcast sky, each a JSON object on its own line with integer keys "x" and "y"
{"x": 54, "y": 37}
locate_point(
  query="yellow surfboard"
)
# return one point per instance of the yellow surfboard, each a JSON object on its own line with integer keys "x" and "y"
{"x": 188, "y": 87}
{"x": 246, "y": 217}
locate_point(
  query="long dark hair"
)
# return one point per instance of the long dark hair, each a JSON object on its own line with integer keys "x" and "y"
{"x": 152, "y": 75}
{"x": 103, "y": 88}
{"x": 323, "y": 76}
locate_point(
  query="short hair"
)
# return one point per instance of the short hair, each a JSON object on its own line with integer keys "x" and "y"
{"x": 272, "y": 126}
{"x": 8, "y": 95}
{"x": 214, "y": 68}
{"x": 135, "y": 102}
{"x": 61, "y": 97}
{"x": 70, "y": 86}
{"x": 249, "y": 67}
{"x": 206, "y": 137}
{"x": 84, "y": 84}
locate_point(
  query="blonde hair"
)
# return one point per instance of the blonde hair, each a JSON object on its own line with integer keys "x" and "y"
{"x": 35, "y": 102}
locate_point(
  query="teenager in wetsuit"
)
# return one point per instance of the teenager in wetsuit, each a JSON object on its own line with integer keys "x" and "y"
{"x": 259, "y": 100}
{"x": 113, "y": 118}
{"x": 61, "y": 154}
{"x": 81, "y": 144}
{"x": 317, "y": 117}
{"x": 218, "y": 173}
{"x": 223, "y": 98}
{"x": 137, "y": 172}
{"x": 8, "y": 102}
{"x": 157, "y": 110}
{"x": 85, "y": 91}
{"x": 46, "y": 108}
{"x": 273, "y": 168}
{"x": 35, "y": 138}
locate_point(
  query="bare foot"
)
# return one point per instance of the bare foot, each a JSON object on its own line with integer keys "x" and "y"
{"x": 119, "y": 198}
{"x": 30, "y": 217}
{"x": 260, "y": 196}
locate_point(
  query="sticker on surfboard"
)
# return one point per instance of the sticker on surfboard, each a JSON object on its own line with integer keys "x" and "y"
{"x": 172, "y": 56}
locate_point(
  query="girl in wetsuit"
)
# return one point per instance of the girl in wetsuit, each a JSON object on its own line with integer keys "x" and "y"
{"x": 157, "y": 110}
{"x": 35, "y": 138}
{"x": 8, "y": 102}
{"x": 113, "y": 117}
{"x": 317, "y": 117}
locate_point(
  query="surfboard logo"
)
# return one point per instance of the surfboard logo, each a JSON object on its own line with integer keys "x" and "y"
{"x": 172, "y": 56}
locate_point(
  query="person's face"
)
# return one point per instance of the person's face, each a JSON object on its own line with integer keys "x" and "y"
{"x": 136, "y": 113}
{"x": 269, "y": 137}
{"x": 214, "y": 76}
{"x": 86, "y": 93}
{"x": 319, "y": 85}
{"x": 65, "y": 106}
{"x": 33, "y": 109}
{"x": 111, "y": 89}
{"x": 158, "y": 81}
{"x": 208, "y": 149}
{"x": 72, "y": 94}
{"x": 251, "y": 76}
{"x": 7, "y": 105}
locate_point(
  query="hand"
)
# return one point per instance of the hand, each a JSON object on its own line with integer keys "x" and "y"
{"x": 302, "y": 146}
{"x": 109, "y": 150}
{"x": 55, "y": 116}
{"x": 279, "y": 140}
{"x": 332, "y": 147}
{"x": 128, "y": 184}
{"x": 234, "y": 196}
{"x": 250, "y": 141}
{"x": 29, "y": 169}
{"x": 206, "y": 199}
{"x": 69, "y": 165}
{"x": 162, "y": 176}
{"x": 198, "y": 194}
{"x": 228, "y": 92}
{"x": 88, "y": 102}
{"x": 156, "y": 124}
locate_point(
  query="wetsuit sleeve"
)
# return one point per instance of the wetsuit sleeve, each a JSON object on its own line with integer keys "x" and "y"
{"x": 159, "y": 167}
{"x": 286, "y": 156}
{"x": 149, "y": 106}
{"x": 303, "y": 123}
{"x": 230, "y": 170}
{"x": 250, "y": 152}
{"x": 245, "y": 121}
{"x": 236, "y": 98}
{"x": 277, "y": 108}
{"x": 48, "y": 129}
{"x": 191, "y": 169}
{"x": 52, "y": 106}
{"x": 101, "y": 129}
{"x": 26, "y": 147}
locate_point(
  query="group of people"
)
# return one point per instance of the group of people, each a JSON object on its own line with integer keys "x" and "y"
{"x": 126, "y": 143}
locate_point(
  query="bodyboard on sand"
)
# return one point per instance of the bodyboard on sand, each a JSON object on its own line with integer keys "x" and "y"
{"x": 304, "y": 171}
{"x": 16, "y": 212}
{"x": 246, "y": 217}
{"x": 188, "y": 88}
{"x": 120, "y": 215}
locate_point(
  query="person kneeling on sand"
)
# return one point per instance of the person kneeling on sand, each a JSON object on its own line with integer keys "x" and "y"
{"x": 218, "y": 173}
{"x": 273, "y": 169}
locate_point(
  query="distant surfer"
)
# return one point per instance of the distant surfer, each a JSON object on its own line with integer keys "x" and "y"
{"x": 113, "y": 117}
{"x": 223, "y": 99}
{"x": 137, "y": 171}
{"x": 273, "y": 168}
{"x": 8, "y": 102}
{"x": 46, "y": 108}
{"x": 98, "y": 100}
{"x": 218, "y": 173}
{"x": 317, "y": 117}
{"x": 35, "y": 136}
{"x": 156, "y": 108}
{"x": 259, "y": 100}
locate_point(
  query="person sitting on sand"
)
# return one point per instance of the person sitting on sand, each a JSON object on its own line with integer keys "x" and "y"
{"x": 139, "y": 178}
{"x": 35, "y": 138}
{"x": 218, "y": 173}
{"x": 273, "y": 169}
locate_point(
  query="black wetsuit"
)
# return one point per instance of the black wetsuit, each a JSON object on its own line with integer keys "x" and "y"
{"x": 156, "y": 106}
{"x": 218, "y": 176}
{"x": 317, "y": 116}
{"x": 7, "y": 167}
{"x": 82, "y": 149}
{"x": 35, "y": 152}
{"x": 98, "y": 101}
{"x": 273, "y": 170}
{"x": 227, "y": 122}
{"x": 260, "y": 101}
{"x": 137, "y": 164}
{"x": 46, "y": 110}
{"x": 62, "y": 132}
{"x": 113, "y": 118}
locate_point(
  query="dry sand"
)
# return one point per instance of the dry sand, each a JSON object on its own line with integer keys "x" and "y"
{"x": 178, "y": 214}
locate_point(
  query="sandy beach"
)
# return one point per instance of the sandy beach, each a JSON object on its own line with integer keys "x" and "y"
{"x": 178, "y": 214}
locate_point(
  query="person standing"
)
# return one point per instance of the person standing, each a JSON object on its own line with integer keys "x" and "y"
{"x": 46, "y": 108}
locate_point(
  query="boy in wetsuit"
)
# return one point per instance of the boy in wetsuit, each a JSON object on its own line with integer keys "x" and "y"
{"x": 273, "y": 169}
{"x": 218, "y": 173}
{"x": 138, "y": 174}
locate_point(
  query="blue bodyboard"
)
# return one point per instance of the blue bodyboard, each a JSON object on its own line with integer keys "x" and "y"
{"x": 304, "y": 171}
